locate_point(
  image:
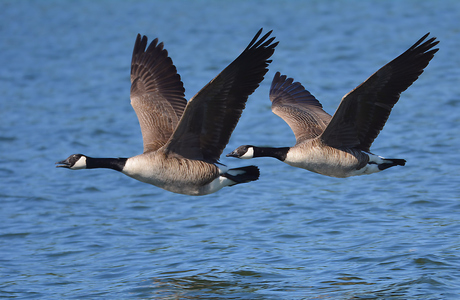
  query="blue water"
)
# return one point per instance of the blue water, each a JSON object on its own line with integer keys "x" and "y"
{"x": 64, "y": 88}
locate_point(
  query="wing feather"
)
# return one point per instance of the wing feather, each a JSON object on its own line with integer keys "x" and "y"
{"x": 363, "y": 112}
{"x": 157, "y": 92}
{"x": 298, "y": 108}
{"x": 212, "y": 114}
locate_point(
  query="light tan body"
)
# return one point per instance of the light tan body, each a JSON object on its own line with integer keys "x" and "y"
{"x": 325, "y": 160}
{"x": 183, "y": 180}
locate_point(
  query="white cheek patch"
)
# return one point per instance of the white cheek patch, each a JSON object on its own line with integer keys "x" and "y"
{"x": 249, "y": 154}
{"x": 80, "y": 164}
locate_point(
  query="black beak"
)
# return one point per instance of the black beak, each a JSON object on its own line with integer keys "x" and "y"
{"x": 63, "y": 164}
{"x": 232, "y": 154}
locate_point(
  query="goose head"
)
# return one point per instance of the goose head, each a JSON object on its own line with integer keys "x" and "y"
{"x": 244, "y": 152}
{"x": 73, "y": 162}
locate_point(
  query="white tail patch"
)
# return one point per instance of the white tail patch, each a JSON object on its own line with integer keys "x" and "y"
{"x": 376, "y": 159}
{"x": 235, "y": 172}
{"x": 371, "y": 167}
{"x": 221, "y": 181}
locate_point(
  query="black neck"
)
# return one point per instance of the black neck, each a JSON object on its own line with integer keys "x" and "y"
{"x": 108, "y": 163}
{"x": 279, "y": 153}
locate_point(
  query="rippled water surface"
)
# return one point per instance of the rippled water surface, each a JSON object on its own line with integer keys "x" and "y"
{"x": 64, "y": 88}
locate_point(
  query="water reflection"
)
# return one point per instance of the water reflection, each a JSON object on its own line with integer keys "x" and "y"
{"x": 248, "y": 284}
{"x": 176, "y": 285}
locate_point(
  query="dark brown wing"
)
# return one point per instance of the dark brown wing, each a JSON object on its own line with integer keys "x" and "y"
{"x": 364, "y": 111}
{"x": 298, "y": 108}
{"x": 212, "y": 114}
{"x": 157, "y": 92}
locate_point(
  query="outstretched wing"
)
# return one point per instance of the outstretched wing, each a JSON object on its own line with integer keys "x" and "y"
{"x": 157, "y": 92}
{"x": 363, "y": 112}
{"x": 298, "y": 108}
{"x": 212, "y": 114}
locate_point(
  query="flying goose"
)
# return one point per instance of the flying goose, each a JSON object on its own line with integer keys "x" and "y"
{"x": 183, "y": 141}
{"x": 339, "y": 146}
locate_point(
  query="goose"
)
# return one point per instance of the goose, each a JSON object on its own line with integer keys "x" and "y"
{"x": 339, "y": 146}
{"x": 184, "y": 140}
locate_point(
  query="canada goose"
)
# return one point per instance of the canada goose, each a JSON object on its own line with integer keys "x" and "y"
{"x": 339, "y": 146}
{"x": 183, "y": 141}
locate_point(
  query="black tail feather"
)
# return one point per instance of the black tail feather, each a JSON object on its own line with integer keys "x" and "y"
{"x": 391, "y": 162}
{"x": 243, "y": 174}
